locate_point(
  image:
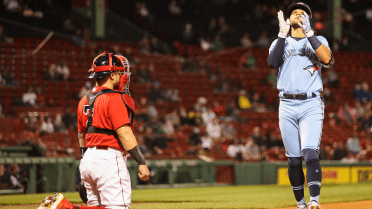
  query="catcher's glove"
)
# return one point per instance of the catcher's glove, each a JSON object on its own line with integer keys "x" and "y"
{"x": 83, "y": 192}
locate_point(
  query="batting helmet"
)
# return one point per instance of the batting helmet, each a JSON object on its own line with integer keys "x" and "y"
{"x": 299, "y": 5}
{"x": 105, "y": 64}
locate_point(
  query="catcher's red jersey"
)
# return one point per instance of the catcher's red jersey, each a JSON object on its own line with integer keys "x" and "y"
{"x": 109, "y": 112}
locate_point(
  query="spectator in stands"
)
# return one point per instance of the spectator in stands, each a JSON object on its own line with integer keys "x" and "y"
{"x": 245, "y": 41}
{"x": 150, "y": 140}
{"x": 171, "y": 95}
{"x": 247, "y": 60}
{"x": 366, "y": 121}
{"x": 214, "y": 129}
{"x": 365, "y": 94}
{"x": 217, "y": 44}
{"x": 332, "y": 79}
{"x": 47, "y": 126}
{"x": 228, "y": 130}
{"x": 51, "y": 73}
{"x": 144, "y": 149}
{"x": 193, "y": 150}
{"x": 143, "y": 75}
{"x": 14, "y": 180}
{"x": 223, "y": 27}
{"x": 4, "y": 176}
{"x": 251, "y": 151}
{"x": 58, "y": 123}
{"x": 29, "y": 98}
{"x": 9, "y": 78}
{"x": 357, "y": 91}
{"x": 142, "y": 110}
{"x": 3, "y": 37}
{"x": 116, "y": 50}
{"x": 258, "y": 103}
{"x": 212, "y": 27}
{"x": 219, "y": 109}
{"x": 232, "y": 112}
{"x": 263, "y": 41}
{"x": 69, "y": 118}
{"x": 62, "y": 71}
{"x": 205, "y": 43}
{"x": 359, "y": 111}
{"x": 340, "y": 150}
{"x": 194, "y": 117}
{"x": 156, "y": 46}
{"x": 129, "y": 55}
{"x": 152, "y": 111}
{"x": 84, "y": 89}
{"x": 236, "y": 150}
{"x": 174, "y": 8}
{"x": 156, "y": 94}
{"x": 208, "y": 116}
{"x": 144, "y": 46}
{"x": 350, "y": 158}
{"x": 195, "y": 138}
{"x": 272, "y": 78}
{"x": 78, "y": 38}
{"x": 327, "y": 95}
{"x": 353, "y": 143}
{"x": 257, "y": 135}
{"x": 12, "y": 6}
{"x": 184, "y": 119}
{"x": 206, "y": 142}
{"x": 142, "y": 10}
{"x": 243, "y": 101}
{"x": 344, "y": 44}
{"x": 41, "y": 97}
{"x": 173, "y": 118}
{"x": 188, "y": 33}
{"x": 346, "y": 113}
{"x": 200, "y": 105}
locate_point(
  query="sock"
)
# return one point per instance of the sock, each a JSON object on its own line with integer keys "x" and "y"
{"x": 297, "y": 179}
{"x": 314, "y": 179}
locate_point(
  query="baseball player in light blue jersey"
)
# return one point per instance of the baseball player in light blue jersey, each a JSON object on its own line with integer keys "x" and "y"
{"x": 300, "y": 55}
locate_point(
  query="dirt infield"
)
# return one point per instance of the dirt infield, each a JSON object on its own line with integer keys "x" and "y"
{"x": 346, "y": 205}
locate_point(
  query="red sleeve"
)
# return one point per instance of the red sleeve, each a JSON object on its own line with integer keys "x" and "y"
{"x": 82, "y": 116}
{"x": 117, "y": 112}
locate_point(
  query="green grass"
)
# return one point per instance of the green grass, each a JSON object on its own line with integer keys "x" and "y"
{"x": 267, "y": 196}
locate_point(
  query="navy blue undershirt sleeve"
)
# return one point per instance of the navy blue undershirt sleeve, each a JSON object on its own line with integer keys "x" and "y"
{"x": 275, "y": 58}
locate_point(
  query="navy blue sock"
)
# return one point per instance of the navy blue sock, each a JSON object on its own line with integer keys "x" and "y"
{"x": 314, "y": 179}
{"x": 297, "y": 178}
{"x": 313, "y": 174}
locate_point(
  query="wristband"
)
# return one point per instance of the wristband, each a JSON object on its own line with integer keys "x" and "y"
{"x": 82, "y": 151}
{"x": 314, "y": 42}
{"x": 137, "y": 155}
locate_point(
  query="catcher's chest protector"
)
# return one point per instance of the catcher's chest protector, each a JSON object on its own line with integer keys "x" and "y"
{"x": 128, "y": 101}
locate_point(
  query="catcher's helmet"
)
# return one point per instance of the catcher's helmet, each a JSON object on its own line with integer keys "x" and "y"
{"x": 299, "y": 5}
{"x": 105, "y": 64}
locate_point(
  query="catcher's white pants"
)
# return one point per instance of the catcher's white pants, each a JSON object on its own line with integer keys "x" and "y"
{"x": 106, "y": 177}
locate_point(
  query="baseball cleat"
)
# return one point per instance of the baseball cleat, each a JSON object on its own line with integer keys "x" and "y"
{"x": 313, "y": 205}
{"x": 58, "y": 201}
{"x": 301, "y": 206}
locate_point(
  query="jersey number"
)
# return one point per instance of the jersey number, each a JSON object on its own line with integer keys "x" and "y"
{"x": 86, "y": 108}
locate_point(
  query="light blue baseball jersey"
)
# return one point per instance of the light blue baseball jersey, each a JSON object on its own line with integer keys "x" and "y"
{"x": 301, "y": 69}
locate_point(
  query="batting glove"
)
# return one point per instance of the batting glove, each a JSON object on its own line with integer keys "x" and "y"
{"x": 284, "y": 26}
{"x": 306, "y": 27}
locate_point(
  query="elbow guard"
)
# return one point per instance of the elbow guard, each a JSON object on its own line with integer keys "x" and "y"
{"x": 330, "y": 64}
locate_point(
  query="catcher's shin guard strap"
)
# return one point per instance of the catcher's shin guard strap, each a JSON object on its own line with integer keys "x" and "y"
{"x": 137, "y": 155}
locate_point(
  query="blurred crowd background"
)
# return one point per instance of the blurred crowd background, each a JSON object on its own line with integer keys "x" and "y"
{"x": 200, "y": 80}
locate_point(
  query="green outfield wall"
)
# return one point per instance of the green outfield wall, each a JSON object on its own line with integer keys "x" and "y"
{"x": 59, "y": 174}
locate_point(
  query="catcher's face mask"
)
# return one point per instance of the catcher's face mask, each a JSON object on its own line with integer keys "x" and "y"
{"x": 124, "y": 75}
